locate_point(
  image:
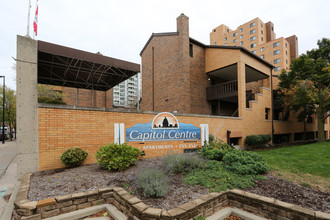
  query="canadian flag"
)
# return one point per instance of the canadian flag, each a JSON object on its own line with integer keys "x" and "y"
{"x": 35, "y": 23}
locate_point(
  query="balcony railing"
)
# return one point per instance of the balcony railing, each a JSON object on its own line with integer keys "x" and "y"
{"x": 222, "y": 90}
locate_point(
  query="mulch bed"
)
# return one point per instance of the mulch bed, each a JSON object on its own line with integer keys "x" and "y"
{"x": 52, "y": 183}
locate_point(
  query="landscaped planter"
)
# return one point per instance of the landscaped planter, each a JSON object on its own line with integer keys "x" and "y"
{"x": 134, "y": 208}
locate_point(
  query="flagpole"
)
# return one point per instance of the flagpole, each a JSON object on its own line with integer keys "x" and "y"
{"x": 28, "y": 24}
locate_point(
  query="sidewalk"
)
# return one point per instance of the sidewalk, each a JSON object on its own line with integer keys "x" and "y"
{"x": 8, "y": 170}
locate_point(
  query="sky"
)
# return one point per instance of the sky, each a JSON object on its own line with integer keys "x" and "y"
{"x": 121, "y": 28}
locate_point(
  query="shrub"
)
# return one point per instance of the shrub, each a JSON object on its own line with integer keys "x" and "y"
{"x": 48, "y": 100}
{"x": 215, "y": 150}
{"x": 245, "y": 163}
{"x": 117, "y": 156}
{"x": 153, "y": 182}
{"x": 182, "y": 163}
{"x": 257, "y": 140}
{"x": 74, "y": 157}
{"x": 214, "y": 177}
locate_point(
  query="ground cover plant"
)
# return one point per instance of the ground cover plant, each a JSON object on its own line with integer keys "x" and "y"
{"x": 306, "y": 164}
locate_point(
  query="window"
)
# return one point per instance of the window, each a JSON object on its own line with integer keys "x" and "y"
{"x": 235, "y": 40}
{"x": 286, "y": 52}
{"x": 253, "y": 45}
{"x": 226, "y": 44}
{"x": 241, "y": 43}
{"x": 286, "y": 61}
{"x": 235, "y": 34}
{"x": 276, "y": 52}
{"x": 241, "y": 29}
{"x": 277, "y": 60}
{"x": 215, "y": 43}
{"x": 225, "y": 39}
{"x": 227, "y": 30}
{"x": 286, "y": 45}
{"x": 262, "y": 39}
{"x": 262, "y": 32}
{"x": 253, "y": 38}
{"x": 241, "y": 36}
{"x": 253, "y": 31}
{"x": 254, "y": 51}
{"x": 276, "y": 44}
{"x": 267, "y": 110}
{"x": 262, "y": 56}
{"x": 262, "y": 49}
{"x": 261, "y": 24}
{"x": 252, "y": 24}
{"x": 214, "y": 30}
{"x": 277, "y": 68}
{"x": 191, "y": 50}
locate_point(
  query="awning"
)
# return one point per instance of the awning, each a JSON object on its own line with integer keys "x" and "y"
{"x": 64, "y": 66}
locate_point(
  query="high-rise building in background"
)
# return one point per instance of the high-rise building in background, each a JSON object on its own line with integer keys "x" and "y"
{"x": 126, "y": 94}
{"x": 260, "y": 39}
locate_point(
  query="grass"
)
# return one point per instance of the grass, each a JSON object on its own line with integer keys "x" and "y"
{"x": 305, "y": 164}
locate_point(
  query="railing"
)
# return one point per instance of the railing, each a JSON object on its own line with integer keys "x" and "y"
{"x": 222, "y": 90}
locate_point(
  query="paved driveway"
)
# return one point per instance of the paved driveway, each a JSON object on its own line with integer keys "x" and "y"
{"x": 8, "y": 170}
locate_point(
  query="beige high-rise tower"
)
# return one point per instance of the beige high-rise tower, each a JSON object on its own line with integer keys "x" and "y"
{"x": 260, "y": 39}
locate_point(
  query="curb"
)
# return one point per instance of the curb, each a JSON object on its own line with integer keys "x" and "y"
{"x": 6, "y": 215}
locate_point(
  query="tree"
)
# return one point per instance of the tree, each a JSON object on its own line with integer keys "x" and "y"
{"x": 48, "y": 94}
{"x": 306, "y": 87}
{"x": 10, "y": 109}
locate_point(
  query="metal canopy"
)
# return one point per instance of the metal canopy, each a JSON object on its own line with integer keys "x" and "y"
{"x": 64, "y": 66}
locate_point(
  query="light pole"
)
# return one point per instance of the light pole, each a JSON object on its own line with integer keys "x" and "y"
{"x": 3, "y": 109}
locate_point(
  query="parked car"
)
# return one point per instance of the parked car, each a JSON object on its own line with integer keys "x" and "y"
{"x": 6, "y": 135}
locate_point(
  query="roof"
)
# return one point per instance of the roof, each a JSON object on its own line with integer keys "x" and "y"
{"x": 158, "y": 34}
{"x": 64, "y": 66}
{"x": 243, "y": 49}
{"x": 192, "y": 40}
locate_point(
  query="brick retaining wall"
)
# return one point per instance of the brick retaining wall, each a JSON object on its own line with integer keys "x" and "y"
{"x": 134, "y": 208}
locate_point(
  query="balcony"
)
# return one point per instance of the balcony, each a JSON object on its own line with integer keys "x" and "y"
{"x": 223, "y": 90}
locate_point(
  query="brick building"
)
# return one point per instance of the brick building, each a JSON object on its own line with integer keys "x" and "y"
{"x": 260, "y": 39}
{"x": 182, "y": 75}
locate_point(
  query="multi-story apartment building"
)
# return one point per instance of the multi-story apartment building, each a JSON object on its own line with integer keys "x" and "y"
{"x": 231, "y": 84}
{"x": 259, "y": 38}
{"x": 126, "y": 94}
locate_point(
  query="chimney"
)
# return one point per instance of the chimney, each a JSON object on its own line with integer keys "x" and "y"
{"x": 182, "y": 23}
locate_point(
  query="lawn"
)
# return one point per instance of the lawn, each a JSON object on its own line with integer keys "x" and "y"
{"x": 306, "y": 163}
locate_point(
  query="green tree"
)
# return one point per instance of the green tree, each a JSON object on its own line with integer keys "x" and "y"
{"x": 306, "y": 87}
{"x": 10, "y": 109}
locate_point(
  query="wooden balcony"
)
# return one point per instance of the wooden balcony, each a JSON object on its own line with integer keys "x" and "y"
{"x": 223, "y": 90}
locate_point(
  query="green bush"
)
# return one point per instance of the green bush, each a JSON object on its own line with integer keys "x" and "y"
{"x": 182, "y": 163}
{"x": 215, "y": 150}
{"x": 153, "y": 182}
{"x": 214, "y": 177}
{"x": 74, "y": 157}
{"x": 48, "y": 100}
{"x": 257, "y": 140}
{"x": 245, "y": 163}
{"x": 117, "y": 156}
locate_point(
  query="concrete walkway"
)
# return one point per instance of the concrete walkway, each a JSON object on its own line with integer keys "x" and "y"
{"x": 8, "y": 170}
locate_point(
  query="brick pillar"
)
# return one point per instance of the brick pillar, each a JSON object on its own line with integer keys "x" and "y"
{"x": 184, "y": 61}
{"x": 241, "y": 89}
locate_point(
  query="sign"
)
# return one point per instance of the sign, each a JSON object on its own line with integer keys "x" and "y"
{"x": 164, "y": 127}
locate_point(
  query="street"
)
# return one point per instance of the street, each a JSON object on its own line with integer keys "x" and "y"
{"x": 8, "y": 169}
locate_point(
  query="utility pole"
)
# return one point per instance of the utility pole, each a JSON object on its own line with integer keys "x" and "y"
{"x": 28, "y": 23}
{"x": 3, "y": 109}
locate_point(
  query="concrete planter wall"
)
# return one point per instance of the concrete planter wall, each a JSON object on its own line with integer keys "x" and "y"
{"x": 134, "y": 208}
